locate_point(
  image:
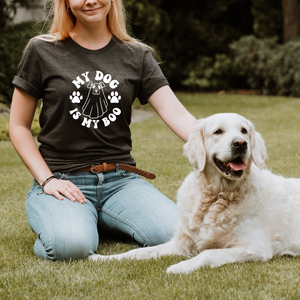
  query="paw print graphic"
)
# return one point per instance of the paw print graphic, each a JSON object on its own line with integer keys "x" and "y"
{"x": 76, "y": 97}
{"x": 114, "y": 97}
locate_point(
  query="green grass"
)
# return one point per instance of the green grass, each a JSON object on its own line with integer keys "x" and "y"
{"x": 157, "y": 149}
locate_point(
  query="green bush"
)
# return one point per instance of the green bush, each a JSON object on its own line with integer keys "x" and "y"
{"x": 210, "y": 73}
{"x": 12, "y": 43}
{"x": 260, "y": 64}
{"x": 274, "y": 68}
{"x": 252, "y": 59}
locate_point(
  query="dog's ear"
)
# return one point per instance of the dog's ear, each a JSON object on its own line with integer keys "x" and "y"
{"x": 194, "y": 149}
{"x": 258, "y": 148}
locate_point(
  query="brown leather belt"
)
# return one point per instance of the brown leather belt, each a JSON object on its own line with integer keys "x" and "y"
{"x": 102, "y": 168}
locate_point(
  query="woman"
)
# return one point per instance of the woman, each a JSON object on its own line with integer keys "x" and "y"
{"x": 88, "y": 71}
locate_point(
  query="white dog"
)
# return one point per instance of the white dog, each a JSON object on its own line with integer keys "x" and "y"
{"x": 231, "y": 210}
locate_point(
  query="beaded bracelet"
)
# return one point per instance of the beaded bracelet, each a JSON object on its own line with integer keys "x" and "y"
{"x": 46, "y": 181}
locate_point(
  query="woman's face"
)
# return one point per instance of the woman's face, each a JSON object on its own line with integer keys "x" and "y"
{"x": 89, "y": 11}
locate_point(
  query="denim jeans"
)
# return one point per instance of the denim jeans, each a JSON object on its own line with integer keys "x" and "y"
{"x": 119, "y": 203}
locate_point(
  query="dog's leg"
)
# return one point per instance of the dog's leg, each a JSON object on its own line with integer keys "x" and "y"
{"x": 215, "y": 258}
{"x": 142, "y": 253}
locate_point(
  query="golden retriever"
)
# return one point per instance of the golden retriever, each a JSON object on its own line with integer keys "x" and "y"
{"x": 231, "y": 208}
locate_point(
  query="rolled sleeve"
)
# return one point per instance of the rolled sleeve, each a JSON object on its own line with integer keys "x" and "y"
{"x": 29, "y": 75}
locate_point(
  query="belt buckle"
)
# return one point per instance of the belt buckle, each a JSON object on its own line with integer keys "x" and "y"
{"x": 92, "y": 169}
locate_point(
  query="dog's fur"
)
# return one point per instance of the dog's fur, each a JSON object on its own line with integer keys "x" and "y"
{"x": 231, "y": 209}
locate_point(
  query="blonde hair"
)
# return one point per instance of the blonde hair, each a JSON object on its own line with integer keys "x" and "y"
{"x": 63, "y": 22}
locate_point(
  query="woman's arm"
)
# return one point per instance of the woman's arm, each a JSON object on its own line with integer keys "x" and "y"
{"x": 21, "y": 116}
{"x": 173, "y": 113}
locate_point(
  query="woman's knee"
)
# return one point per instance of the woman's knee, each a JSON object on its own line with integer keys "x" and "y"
{"x": 66, "y": 245}
{"x": 65, "y": 229}
{"x": 145, "y": 214}
{"x": 160, "y": 232}
{"x": 145, "y": 229}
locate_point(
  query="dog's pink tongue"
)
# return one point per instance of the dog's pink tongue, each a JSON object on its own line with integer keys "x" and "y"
{"x": 237, "y": 166}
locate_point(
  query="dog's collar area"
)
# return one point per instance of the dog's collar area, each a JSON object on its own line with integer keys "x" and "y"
{"x": 226, "y": 168}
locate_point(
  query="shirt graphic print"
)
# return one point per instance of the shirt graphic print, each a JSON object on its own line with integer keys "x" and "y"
{"x": 95, "y": 105}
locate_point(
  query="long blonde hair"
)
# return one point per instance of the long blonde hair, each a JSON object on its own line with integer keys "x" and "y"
{"x": 63, "y": 22}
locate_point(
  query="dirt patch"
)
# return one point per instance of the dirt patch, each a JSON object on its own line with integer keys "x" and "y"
{"x": 139, "y": 115}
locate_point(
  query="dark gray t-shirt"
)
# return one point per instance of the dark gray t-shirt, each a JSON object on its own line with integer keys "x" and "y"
{"x": 87, "y": 98}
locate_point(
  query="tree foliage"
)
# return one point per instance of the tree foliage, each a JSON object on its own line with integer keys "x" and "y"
{"x": 267, "y": 18}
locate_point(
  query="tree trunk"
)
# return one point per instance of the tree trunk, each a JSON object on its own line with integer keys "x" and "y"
{"x": 291, "y": 24}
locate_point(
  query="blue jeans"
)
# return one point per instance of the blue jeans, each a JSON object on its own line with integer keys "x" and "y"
{"x": 119, "y": 203}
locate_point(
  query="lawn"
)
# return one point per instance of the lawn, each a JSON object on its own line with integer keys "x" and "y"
{"x": 157, "y": 149}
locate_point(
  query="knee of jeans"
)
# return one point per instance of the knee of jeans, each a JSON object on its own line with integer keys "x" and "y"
{"x": 161, "y": 232}
{"x": 68, "y": 246}
{"x": 154, "y": 237}
{"x": 160, "y": 238}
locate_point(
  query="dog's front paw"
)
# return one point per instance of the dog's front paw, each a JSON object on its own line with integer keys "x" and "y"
{"x": 98, "y": 257}
{"x": 182, "y": 267}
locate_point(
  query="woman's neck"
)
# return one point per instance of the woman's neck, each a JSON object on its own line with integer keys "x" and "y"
{"x": 92, "y": 38}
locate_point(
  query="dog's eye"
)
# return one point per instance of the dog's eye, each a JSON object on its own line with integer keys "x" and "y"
{"x": 219, "y": 131}
{"x": 244, "y": 131}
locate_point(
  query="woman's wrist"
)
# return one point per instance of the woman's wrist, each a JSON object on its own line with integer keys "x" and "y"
{"x": 46, "y": 181}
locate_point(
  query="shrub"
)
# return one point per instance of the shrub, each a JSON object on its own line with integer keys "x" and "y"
{"x": 252, "y": 59}
{"x": 254, "y": 63}
{"x": 210, "y": 73}
{"x": 274, "y": 68}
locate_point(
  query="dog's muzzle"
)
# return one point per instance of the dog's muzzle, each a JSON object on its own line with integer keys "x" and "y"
{"x": 234, "y": 167}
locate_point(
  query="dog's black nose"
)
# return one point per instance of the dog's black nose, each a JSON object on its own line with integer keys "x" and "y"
{"x": 239, "y": 144}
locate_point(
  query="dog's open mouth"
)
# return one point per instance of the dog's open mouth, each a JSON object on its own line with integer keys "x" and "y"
{"x": 233, "y": 168}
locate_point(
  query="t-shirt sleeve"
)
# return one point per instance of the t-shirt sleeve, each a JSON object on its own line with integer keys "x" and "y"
{"x": 152, "y": 78}
{"x": 28, "y": 76}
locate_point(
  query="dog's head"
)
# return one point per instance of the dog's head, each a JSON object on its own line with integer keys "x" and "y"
{"x": 227, "y": 142}
{"x": 95, "y": 87}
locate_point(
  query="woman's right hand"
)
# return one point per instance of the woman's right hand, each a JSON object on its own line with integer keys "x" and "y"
{"x": 59, "y": 188}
